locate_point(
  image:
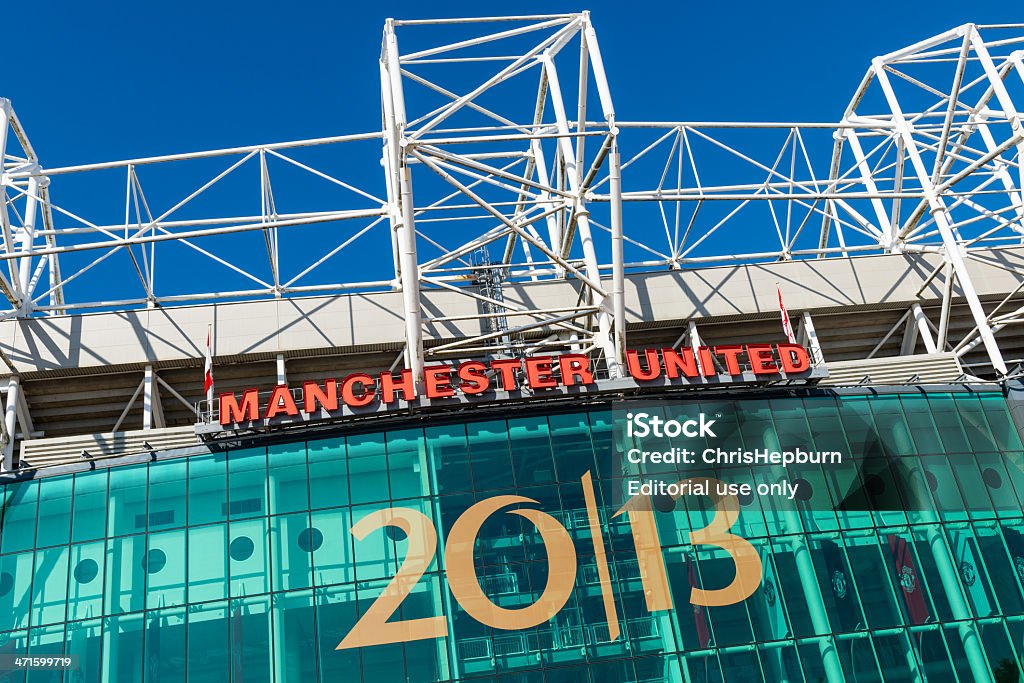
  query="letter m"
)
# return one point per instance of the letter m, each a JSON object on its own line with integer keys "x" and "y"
{"x": 231, "y": 412}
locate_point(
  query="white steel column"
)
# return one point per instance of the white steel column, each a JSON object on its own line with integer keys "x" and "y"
{"x": 282, "y": 374}
{"x": 921, "y": 321}
{"x": 618, "y": 270}
{"x": 811, "y": 338}
{"x": 400, "y": 201}
{"x": 13, "y": 292}
{"x": 11, "y": 421}
{"x": 603, "y": 338}
{"x": 695, "y": 344}
{"x": 26, "y": 240}
{"x": 152, "y": 410}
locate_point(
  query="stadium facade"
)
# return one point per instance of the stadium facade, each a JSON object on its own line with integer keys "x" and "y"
{"x": 409, "y": 467}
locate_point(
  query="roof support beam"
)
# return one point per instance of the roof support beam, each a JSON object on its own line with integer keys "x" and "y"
{"x": 942, "y": 221}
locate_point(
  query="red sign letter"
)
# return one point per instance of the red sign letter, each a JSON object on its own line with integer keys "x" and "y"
{"x": 348, "y": 392}
{"x": 474, "y": 379}
{"x": 538, "y": 373}
{"x": 230, "y": 411}
{"x": 439, "y": 381}
{"x": 573, "y": 366}
{"x": 507, "y": 368}
{"x": 388, "y": 386}
{"x": 653, "y": 365}
{"x": 762, "y": 362}
{"x": 676, "y": 361}
{"x": 313, "y": 396}
{"x": 794, "y": 358}
{"x": 730, "y": 353}
{"x": 281, "y": 401}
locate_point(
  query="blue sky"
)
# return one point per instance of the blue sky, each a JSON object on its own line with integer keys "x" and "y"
{"x": 110, "y": 80}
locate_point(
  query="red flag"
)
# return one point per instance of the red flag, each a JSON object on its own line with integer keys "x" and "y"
{"x": 908, "y": 579}
{"x": 787, "y": 326}
{"x": 700, "y": 618}
{"x": 208, "y": 381}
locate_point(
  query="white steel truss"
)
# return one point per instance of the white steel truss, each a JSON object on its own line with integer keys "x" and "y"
{"x": 504, "y": 163}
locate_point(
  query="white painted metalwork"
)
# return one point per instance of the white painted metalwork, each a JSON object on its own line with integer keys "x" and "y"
{"x": 927, "y": 157}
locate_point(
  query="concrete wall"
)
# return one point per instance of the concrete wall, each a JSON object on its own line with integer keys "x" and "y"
{"x": 374, "y": 322}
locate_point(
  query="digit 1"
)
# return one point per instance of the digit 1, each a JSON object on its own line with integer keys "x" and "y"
{"x": 600, "y": 558}
{"x": 653, "y": 572}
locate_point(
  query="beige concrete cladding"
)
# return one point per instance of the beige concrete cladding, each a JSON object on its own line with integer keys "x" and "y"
{"x": 173, "y": 335}
{"x": 819, "y": 284}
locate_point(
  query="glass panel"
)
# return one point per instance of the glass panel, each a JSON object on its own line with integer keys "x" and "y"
{"x": 127, "y": 505}
{"x": 295, "y": 657}
{"x": 292, "y": 543}
{"x": 247, "y": 483}
{"x": 328, "y": 473}
{"x": 407, "y": 464}
{"x": 922, "y": 425}
{"x": 1004, "y": 432}
{"x": 14, "y": 642}
{"x": 489, "y": 454}
{"x": 333, "y": 561}
{"x": 207, "y": 488}
{"x": 54, "y": 511}
{"x": 89, "y": 520}
{"x": 126, "y": 583}
{"x": 167, "y": 487}
{"x": 383, "y": 662}
{"x": 367, "y": 468}
{"x": 165, "y": 645}
{"x": 288, "y": 490}
{"x": 251, "y": 654}
{"x": 533, "y": 462}
{"x": 47, "y": 641}
{"x": 50, "y": 593}
{"x": 249, "y": 566}
{"x": 15, "y": 589}
{"x": 375, "y": 554}
{"x": 947, "y": 421}
{"x": 85, "y": 580}
{"x": 165, "y": 563}
{"x": 336, "y": 613}
{"x": 19, "y": 527}
{"x": 570, "y": 439}
{"x": 208, "y": 563}
{"x": 122, "y": 648}
{"x": 426, "y": 661}
{"x": 85, "y": 642}
{"x": 209, "y": 651}
{"x": 449, "y": 458}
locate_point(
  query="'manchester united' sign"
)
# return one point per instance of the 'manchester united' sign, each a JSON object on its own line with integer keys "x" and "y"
{"x": 536, "y": 373}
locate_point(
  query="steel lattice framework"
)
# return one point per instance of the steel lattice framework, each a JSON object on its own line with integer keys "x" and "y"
{"x": 483, "y": 187}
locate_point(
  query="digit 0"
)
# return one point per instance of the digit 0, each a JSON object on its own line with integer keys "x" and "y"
{"x": 465, "y": 585}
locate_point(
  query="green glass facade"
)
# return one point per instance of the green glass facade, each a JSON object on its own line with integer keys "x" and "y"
{"x": 238, "y": 567}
